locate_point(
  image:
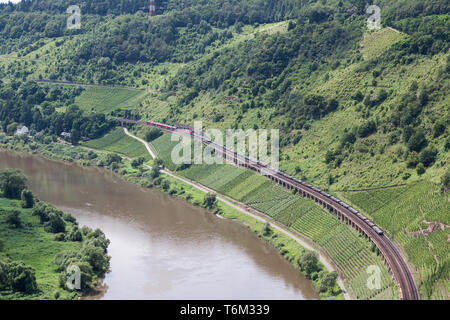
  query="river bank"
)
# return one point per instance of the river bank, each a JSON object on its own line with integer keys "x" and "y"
{"x": 289, "y": 246}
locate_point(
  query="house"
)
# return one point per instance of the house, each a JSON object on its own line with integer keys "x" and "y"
{"x": 22, "y": 130}
{"x": 66, "y": 135}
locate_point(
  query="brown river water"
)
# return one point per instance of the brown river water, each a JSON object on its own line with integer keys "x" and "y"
{"x": 162, "y": 247}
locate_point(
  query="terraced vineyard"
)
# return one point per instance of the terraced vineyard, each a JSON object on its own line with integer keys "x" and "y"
{"x": 117, "y": 141}
{"x": 163, "y": 147}
{"x": 405, "y": 211}
{"x": 350, "y": 251}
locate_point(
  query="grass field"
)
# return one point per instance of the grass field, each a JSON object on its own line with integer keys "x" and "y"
{"x": 117, "y": 141}
{"x": 107, "y": 99}
{"x": 404, "y": 211}
{"x": 36, "y": 248}
{"x": 351, "y": 252}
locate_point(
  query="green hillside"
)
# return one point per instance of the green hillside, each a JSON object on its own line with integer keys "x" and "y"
{"x": 357, "y": 109}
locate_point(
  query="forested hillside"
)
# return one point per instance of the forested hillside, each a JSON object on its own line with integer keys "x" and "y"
{"x": 357, "y": 109}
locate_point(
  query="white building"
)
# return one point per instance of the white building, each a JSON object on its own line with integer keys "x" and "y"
{"x": 22, "y": 130}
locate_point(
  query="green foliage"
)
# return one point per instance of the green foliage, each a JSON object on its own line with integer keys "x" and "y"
{"x": 152, "y": 134}
{"x": 428, "y": 156}
{"x": 12, "y": 182}
{"x": 308, "y": 263}
{"x": 209, "y": 201}
{"x": 13, "y": 219}
{"x": 17, "y": 276}
{"x": 266, "y": 231}
{"x": 27, "y": 198}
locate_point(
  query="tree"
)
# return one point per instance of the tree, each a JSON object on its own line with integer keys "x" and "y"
{"x": 54, "y": 224}
{"x": 20, "y": 277}
{"x": 209, "y": 200}
{"x": 12, "y": 182}
{"x": 428, "y": 156}
{"x": 155, "y": 173}
{"x": 308, "y": 262}
{"x": 328, "y": 281}
{"x": 75, "y": 136}
{"x": 445, "y": 179}
{"x": 11, "y": 128}
{"x": 152, "y": 134}
{"x": 137, "y": 162}
{"x": 95, "y": 257}
{"x": 75, "y": 234}
{"x": 417, "y": 141}
{"x": 27, "y": 198}
{"x": 266, "y": 229}
{"x": 438, "y": 129}
{"x": 420, "y": 169}
{"x": 13, "y": 218}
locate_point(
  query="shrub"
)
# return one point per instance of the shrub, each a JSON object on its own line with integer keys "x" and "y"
{"x": 75, "y": 235}
{"x": 18, "y": 276}
{"x": 152, "y": 134}
{"x": 54, "y": 224}
{"x": 420, "y": 169}
{"x": 209, "y": 200}
{"x": 417, "y": 141}
{"x": 266, "y": 231}
{"x": 27, "y": 199}
{"x": 12, "y": 182}
{"x": 308, "y": 263}
{"x": 428, "y": 156}
{"x": 13, "y": 218}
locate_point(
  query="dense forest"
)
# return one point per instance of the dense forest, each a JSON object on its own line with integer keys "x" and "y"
{"x": 36, "y": 107}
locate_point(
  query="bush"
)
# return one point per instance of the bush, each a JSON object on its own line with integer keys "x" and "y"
{"x": 417, "y": 141}
{"x": 12, "y": 182}
{"x": 428, "y": 156}
{"x": 54, "y": 224}
{"x": 445, "y": 180}
{"x": 328, "y": 281}
{"x": 13, "y": 218}
{"x": 420, "y": 169}
{"x": 75, "y": 235}
{"x": 438, "y": 129}
{"x": 59, "y": 237}
{"x": 266, "y": 231}
{"x": 209, "y": 200}
{"x": 18, "y": 276}
{"x": 308, "y": 263}
{"x": 152, "y": 134}
{"x": 27, "y": 199}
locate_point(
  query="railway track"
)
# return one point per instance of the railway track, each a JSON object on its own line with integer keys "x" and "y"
{"x": 396, "y": 264}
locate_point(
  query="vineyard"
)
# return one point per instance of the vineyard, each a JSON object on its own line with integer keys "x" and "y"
{"x": 350, "y": 251}
{"x": 117, "y": 141}
{"x": 403, "y": 212}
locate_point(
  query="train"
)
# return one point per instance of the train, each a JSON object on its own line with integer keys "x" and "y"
{"x": 160, "y": 125}
{"x": 348, "y": 207}
{"x": 249, "y": 159}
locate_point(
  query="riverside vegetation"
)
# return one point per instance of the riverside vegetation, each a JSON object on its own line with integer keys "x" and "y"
{"x": 38, "y": 243}
{"x": 357, "y": 109}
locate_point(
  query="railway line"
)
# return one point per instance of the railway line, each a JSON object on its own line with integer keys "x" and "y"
{"x": 392, "y": 258}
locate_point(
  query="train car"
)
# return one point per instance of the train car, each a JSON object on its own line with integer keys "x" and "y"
{"x": 352, "y": 210}
{"x": 369, "y": 223}
{"x": 378, "y": 230}
{"x": 334, "y": 199}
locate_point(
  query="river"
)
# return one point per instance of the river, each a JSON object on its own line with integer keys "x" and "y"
{"x": 162, "y": 247}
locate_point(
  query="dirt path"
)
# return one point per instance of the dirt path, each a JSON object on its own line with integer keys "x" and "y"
{"x": 246, "y": 210}
{"x": 149, "y": 149}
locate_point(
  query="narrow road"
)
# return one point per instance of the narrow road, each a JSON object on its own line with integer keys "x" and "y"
{"x": 241, "y": 208}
